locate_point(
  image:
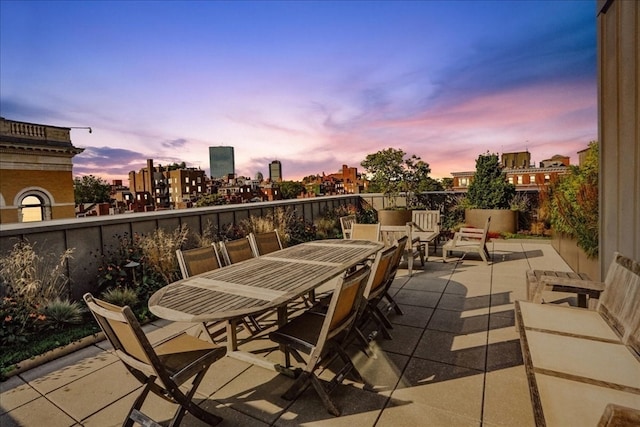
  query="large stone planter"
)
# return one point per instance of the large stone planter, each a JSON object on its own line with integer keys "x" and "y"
{"x": 394, "y": 217}
{"x": 502, "y": 220}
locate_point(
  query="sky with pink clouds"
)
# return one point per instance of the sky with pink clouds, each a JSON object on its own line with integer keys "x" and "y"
{"x": 314, "y": 84}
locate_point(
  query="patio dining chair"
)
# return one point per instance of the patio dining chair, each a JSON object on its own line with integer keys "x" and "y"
{"x": 375, "y": 290}
{"x": 346, "y": 222}
{"x": 316, "y": 334}
{"x": 366, "y": 232}
{"x": 198, "y": 260}
{"x": 265, "y": 243}
{"x": 401, "y": 243}
{"x": 162, "y": 367}
{"x": 234, "y": 251}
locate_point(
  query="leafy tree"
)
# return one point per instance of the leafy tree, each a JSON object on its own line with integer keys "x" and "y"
{"x": 291, "y": 189}
{"x": 391, "y": 173}
{"x": 489, "y": 188}
{"x": 574, "y": 202}
{"x": 91, "y": 189}
{"x": 177, "y": 166}
{"x": 211, "y": 200}
{"x": 447, "y": 183}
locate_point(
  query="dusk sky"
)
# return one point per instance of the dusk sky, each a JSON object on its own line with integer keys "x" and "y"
{"x": 313, "y": 84}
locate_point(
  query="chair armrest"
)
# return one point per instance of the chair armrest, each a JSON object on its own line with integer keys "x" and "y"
{"x": 579, "y": 286}
{"x": 617, "y": 415}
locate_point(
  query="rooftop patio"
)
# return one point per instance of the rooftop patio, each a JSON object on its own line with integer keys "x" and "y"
{"x": 454, "y": 360}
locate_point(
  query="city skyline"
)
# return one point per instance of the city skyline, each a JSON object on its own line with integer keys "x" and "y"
{"x": 312, "y": 84}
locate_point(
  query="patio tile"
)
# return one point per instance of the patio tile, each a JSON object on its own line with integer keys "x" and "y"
{"x": 14, "y": 393}
{"x": 415, "y": 316}
{"x": 507, "y": 401}
{"x": 458, "y": 322}
{"x": 462, "y": 303}
{"x": 467, "y": 351}
{"x": 419, "y": 298}
{"x": 257, "y": 393}
{"x": 453, "y": 389}
{"x": 421, "y": 414}
{"x": 405, "y": 339}
{"x": 91, "y": 393}
{"x": 39, "y": 412}
{"x": 66, "y": 369}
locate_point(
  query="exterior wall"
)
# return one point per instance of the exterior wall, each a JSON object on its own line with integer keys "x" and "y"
{"x": 619, "y": 128}
{"x": 36, "y": 159}
{"x": 93, "y": 237}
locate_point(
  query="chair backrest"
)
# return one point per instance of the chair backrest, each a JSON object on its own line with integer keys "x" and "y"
{"x": 235, "y": 251}
{"x": 400, "y": 247}
{"x": 365, "y": 232}
{"x": 426, "y": 221}
{"x": 123, "y": 331}
{"x": 345, "y": 304}
{"x": 345, "y": 223}
{"x": 265, "y": 243}
{"x": 620, "y": 301}
{"x": 475, "y": 234}
{"x": 198, "y": 260}
{"x": 389, "y": 234}
{"x": 380, "y": 270}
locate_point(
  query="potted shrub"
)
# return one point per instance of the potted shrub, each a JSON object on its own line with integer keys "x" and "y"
{"x": 490, "y": 195}
{"x": 400, "y": 179}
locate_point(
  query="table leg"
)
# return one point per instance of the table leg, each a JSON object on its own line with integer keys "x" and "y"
{"x": 232, "y": 335}
{"x": 282, "y": 320}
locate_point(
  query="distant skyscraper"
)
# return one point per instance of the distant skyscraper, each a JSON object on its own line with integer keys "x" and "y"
{"x": 221, "y": 162}
{"x": 275, "y": 171}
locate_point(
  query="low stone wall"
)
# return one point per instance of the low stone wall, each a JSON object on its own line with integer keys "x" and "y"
{"x": 93, "y": 237}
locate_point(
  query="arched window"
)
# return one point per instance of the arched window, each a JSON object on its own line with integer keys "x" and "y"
{"x": 34, "y": 206}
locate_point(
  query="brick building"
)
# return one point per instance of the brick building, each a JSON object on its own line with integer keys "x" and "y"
{"x": 520, "y": 172}
{"x": 36, "y": 177}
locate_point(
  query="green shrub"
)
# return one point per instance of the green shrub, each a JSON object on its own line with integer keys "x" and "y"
{"x": 574, "y": 203}
{"x": 61, "y": 313}
{"x": 121, "y": 297}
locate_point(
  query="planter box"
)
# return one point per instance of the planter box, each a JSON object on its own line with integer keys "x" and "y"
{"x": 502, "y": 220}
{"x": 573, "y": 255}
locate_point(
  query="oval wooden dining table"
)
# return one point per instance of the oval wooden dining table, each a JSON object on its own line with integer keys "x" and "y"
{"x": 249, "y": 288}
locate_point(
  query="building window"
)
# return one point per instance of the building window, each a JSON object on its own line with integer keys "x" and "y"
{"x": 186, "y": 179}
{"x": 547, "y": 177}
{"x": 510, "y": 179}
{"x": 532, "y": 179}
{"x": 31, "y": 209}
{"x": 520, "y": 180}
{"x": 464, "y": 182}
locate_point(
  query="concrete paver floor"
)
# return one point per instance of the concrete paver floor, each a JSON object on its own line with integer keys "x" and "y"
{"x": 454, "y": 360}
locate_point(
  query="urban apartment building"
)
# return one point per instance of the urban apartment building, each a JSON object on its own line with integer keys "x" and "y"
{"x": 520, "y": 172}
{"x": 221, "y": 162}
{"x": 162, "y": 188}
{"x": 36, "y": 177}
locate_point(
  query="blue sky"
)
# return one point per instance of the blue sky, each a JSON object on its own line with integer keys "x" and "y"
{"x": 312, "y": 84}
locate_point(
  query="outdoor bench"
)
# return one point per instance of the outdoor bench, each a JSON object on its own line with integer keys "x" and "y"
{"x": 539, "y": 281}
{"x": 582, "y": 363}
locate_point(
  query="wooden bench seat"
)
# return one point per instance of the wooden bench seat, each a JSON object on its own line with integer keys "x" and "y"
{"x": 578, "y": 361}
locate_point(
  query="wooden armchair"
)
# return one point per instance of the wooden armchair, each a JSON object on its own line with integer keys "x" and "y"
{"x": 316, "y": 334}
{"x": 162, "y": 367}
{"x": 469, "y": 240}
{"x": 426, "y": 226}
